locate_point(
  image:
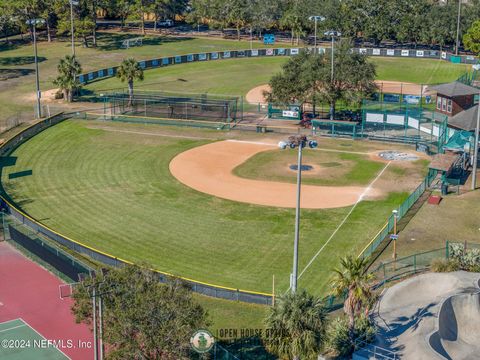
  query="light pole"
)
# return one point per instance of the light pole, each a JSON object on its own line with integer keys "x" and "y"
{"x": 33, "y": 23}
{"x": 72, "y": 2}
{"x": 395, "y": 219}
{"x": 299, "y": 141}
{"x": 458, "y": 27}
{"x": 475, "y": 150}
{"x": 316, "y": 18}
{"x": 332, "y": 33}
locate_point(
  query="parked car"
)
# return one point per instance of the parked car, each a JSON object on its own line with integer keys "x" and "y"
{"x": 165, "y": 23}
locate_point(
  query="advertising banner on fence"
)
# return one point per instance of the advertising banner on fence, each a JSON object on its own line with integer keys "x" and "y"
{"x": 405, "y": 52}
{"x": 290, "y": 114}
{"x": 254, "y": 52}
{"x": 376, "y": 52}
{"x": 294, "y": 51}
{"x": 390, "y": 52}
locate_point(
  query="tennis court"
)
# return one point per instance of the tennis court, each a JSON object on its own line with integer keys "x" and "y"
{"x": 20, "y": 341}
{"x": 36, "y": 323}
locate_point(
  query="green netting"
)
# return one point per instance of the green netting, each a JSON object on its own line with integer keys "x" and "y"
{"x": 334, "y": 128}
{"x": 218, "y": 125}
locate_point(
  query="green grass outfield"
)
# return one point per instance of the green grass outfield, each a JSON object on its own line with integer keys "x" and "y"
{"x": 16, "y": 94}
{"x": 113, "y": 191}
{"x": 238, "y": 76}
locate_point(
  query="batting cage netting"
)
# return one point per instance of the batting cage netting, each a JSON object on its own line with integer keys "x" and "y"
{"x": 218, "y": 109}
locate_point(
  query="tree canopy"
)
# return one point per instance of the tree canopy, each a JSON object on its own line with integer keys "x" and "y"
{"x": 353, "y": 280}
{"x": 472, "y": 38}
{"x": 407, "y": 21}
{"x": 296, "y": 326}
{"x": 307, "y": 78}
{"x": 67, "y": 80}
{"x": 143, "y": 319}
{"x": 129, "y": 71}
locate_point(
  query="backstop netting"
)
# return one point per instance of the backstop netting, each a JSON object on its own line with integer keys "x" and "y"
{"x": 206, "y": 109}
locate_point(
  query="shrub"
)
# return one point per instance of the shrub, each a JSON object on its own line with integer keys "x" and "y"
{"x": 338, "y": 339}
{"x": 444, "y": 265}
{"x": 364, "y": 329}
{"x": 466, "y": 258}
{"x": 471, "y": 258}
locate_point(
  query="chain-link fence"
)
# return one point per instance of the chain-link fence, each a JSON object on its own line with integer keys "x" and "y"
{"x": 409, "y": 265}
{"x": 401, "y": 211}
{"x": 100, "y": 256}
{"x": 55, "y": 259}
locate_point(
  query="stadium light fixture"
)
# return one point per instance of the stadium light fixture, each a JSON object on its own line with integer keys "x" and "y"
{"x": 33, "y": 23}
{"x": 316, "y": 18}
{"x": 332, "y": 34}
{"x": 299, "y": 141}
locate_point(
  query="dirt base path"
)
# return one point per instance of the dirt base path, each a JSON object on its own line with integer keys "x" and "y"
{"x": 208, "y": 169}
{"x": 255, "y": 95}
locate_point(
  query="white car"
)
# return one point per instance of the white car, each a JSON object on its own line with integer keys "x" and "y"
{"x": 165, "y": 23}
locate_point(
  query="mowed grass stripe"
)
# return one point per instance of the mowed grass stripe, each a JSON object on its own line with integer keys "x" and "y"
{"x": 114, "y": 192}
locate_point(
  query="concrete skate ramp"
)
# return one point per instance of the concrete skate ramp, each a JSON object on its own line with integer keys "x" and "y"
{"x": 458, "y": 331}
{"x": 407, "y": 317}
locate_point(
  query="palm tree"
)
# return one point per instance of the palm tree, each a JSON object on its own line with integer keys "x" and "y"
{"x": 353, "y": 280}
{"x": 67, "y": 79}
{"x": 129, "y": 70}
{"x": 296, "y": 326}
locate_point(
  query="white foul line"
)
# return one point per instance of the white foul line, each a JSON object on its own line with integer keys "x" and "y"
{"x": 360, "y": 198}
{"x": 150, "y": 133}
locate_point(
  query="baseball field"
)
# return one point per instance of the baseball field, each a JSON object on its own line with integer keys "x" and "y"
{"x": 111, "y": 186}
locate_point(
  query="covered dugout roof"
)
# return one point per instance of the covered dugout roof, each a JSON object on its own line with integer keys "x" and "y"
{"x": 454, "y": 89}
{"x": 465, "y": 120}
{"x": 443, "y": 162}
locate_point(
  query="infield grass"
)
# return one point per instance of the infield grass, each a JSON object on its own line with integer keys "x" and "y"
{"x": 113, "y": 191}
{"x": 337, "y": 169}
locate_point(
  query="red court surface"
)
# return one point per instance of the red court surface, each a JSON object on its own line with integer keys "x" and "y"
{"x": 30, "y": 292}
